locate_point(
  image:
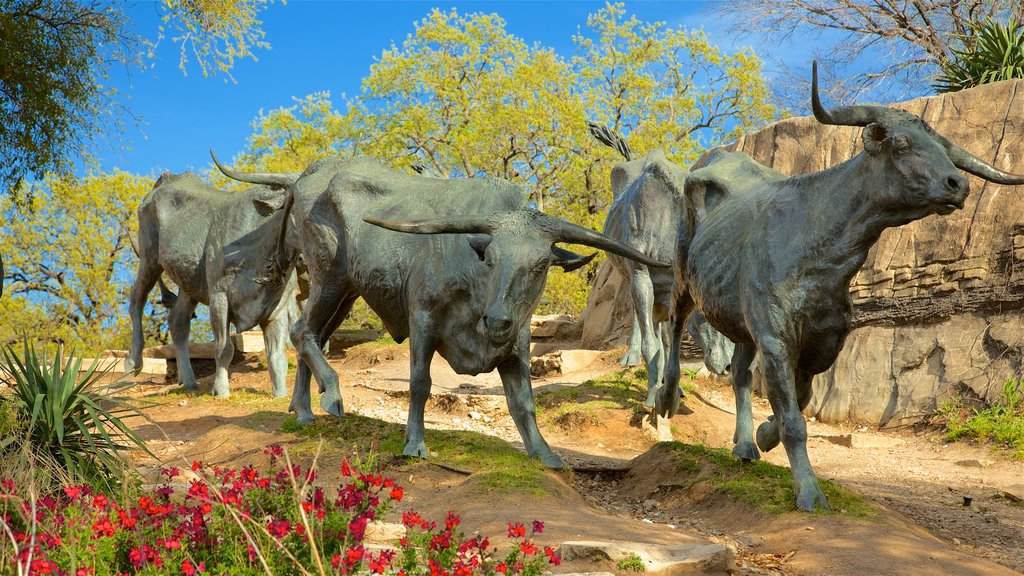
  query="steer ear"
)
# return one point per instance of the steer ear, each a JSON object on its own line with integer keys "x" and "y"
{"x": 568, "y": 259}
{"x": 873, "y": 135}
{"x": 269, "y": 202}
{"x": 479, "y": 244}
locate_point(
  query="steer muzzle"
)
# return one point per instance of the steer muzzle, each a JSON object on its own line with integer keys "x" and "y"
{"x": 499, "y": 329}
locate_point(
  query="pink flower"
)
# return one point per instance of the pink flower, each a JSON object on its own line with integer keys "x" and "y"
{"x": 538, "y": 526}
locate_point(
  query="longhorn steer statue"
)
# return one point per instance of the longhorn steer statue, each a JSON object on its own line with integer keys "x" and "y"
{"x": 770, "y": 266}
{"x": 461, "y": 280}
{"x": 222, "y": 250}
{"x": 646, "y": 214}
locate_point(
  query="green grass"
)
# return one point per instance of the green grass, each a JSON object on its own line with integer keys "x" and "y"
{"x": 1001, "y": 424}
{"x": 632, "y": 563}
{"x": 623, "y": 390}
{"x": 495, "y": 464}
{"x": 765, "y": 486}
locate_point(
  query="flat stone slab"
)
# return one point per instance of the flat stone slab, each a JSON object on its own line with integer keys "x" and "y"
{"x": 657, "y": 559}
{"x": 246, "y": 343}
{"x": 151, "y": 366}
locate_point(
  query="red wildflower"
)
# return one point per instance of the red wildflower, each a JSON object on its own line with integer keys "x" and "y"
{"x": 528, "y": 548}
{"x": 538, "y": 526}
{"x": 346, "y": 469}
{"x": 197, "y": 465}
{"x": 87, "y": 571}
{"x": 279, "y": 528}
{"x": 516, "y": 529}
{"x": 554, "y": 558}
{"x": 396, "y": 494}
{"x": 501, "y": 567}
{"x": 73, "y": 492}
{"x": 102, "y": 527}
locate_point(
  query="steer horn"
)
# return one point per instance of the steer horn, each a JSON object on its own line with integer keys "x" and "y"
{"x": 968, "y": 162}
{"x": 275, "y": 179}
{"x": 469, "y": 224}
{"x": 557, "y": 230}
{"x": 562, "y": 231}
{"x": 864, "y": 115}
{"x": 842, "y": 115}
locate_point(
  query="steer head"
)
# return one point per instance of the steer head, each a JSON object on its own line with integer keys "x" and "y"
{"x": 517, "y": 248}
{"x": 919, "y": 164}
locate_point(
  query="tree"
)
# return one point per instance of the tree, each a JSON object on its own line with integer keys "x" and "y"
{"x": 56, "y": 54}
{"x": 70, "y": 260}
{"x": 894, "y": 48}
{"x": 466, "y": 98}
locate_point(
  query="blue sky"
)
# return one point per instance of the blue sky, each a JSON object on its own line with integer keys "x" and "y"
{"x": 316, "y": 46}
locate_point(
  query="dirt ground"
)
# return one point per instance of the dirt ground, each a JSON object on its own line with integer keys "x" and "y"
{"x": 621, "y": 491}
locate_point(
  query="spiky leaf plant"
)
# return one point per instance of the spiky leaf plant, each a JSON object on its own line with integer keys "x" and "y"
{"x": 67, "y": 417}
{"x": 992, "y": 52}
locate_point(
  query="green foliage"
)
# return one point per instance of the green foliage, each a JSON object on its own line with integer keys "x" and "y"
{"x": 54, "y": 56}
{"x": 1002, "y": 424}
{"x": 765, "y": 486}
{"x": 464, "y": 97}
{"x": 632, "y": 563}
{"x": 66, "y": 414}
{"x": 992, "y": 52}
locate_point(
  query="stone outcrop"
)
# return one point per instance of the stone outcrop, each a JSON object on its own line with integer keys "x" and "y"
{"x": 938, "y": 301}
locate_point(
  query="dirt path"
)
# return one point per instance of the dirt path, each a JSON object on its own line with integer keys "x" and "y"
{"x": 917, "y": 481}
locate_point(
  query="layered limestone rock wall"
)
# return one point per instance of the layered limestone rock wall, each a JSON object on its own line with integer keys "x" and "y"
{"x": 938, "y": 303}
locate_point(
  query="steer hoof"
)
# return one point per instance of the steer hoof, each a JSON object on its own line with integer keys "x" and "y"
{"x": 305, "y": 418}
{"x": 279, "y": 392}
{"x": 666, "y": 402}
{"x": 552, "y": 460}
{"x": 810, "y": 497}
{"x": 630, "y": 359}
{"x": 746, "y": 451}
{"x": 768, "y": 435}
{"x": 415, "y": 450}
{"x": 331, "y": 403}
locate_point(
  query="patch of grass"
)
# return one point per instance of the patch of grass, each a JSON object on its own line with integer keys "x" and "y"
{"x": 632, "y": 563}
{"x": 623, "y": 389}
{"x": 765, "y": 486}
{"x": 1001, "y": 424}
{"x": 495, "y": 464}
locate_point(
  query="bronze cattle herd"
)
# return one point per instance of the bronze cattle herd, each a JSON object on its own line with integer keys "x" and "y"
{"x": 458, "y": 265}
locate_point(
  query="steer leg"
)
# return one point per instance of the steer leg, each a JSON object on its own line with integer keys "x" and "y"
{"x": 179, "y": 324}
{"x": 650, "y": 341}
{"x": 632, "y": 356}
{"x": 148, "y": 273}
{"x": 324, "y": 308}
{"x": 421, "y": 348}
{"x": 667, "y": 399}
{"x": 783, "y": 381}
{"x": 743, "y": 437}
{"x": 224, "y": 350}
{"x": 275, "y": 338}
{"x": 515, "y": 379}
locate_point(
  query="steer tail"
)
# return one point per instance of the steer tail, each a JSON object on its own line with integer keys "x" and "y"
{"x": 167, "y": 297}
{"x": 610, "y": 139}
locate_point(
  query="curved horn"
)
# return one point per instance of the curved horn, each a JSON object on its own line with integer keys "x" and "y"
{"x": 842, "y": 115}
{"x": 562, "y": 231}
{"x": 276, "y": 179}
{"x": 968, "y": 162}
{"x": 468, "y": 224}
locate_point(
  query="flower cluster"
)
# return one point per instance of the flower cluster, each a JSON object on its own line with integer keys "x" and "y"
{"x": 247, "y": 522}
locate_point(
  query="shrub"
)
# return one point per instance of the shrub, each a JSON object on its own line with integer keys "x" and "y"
{"x": 992, "y": 52}
{"x": 65, "y": 417}
{"x": 244, "y": 522}
{"x": 1002, "y": 423}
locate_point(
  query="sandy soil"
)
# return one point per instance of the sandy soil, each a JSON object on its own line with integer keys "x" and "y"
{"x": 917, "y": 481}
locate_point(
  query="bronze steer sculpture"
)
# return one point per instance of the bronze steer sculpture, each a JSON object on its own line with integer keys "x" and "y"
{"x": 770, "y": 266}
{"x": 221, "y": 249}
{"x": 461, "y": 281}
{"x": 646, "y": 214}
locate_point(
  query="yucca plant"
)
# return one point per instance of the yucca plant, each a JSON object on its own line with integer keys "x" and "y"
{"x": 992, "y": 52}
{"x": 67, "y": 417}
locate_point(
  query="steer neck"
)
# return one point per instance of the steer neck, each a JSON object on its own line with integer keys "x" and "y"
{"x": 847, "y": 214}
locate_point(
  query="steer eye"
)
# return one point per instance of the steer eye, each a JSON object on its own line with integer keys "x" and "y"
{"x": 900, "y": 145}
